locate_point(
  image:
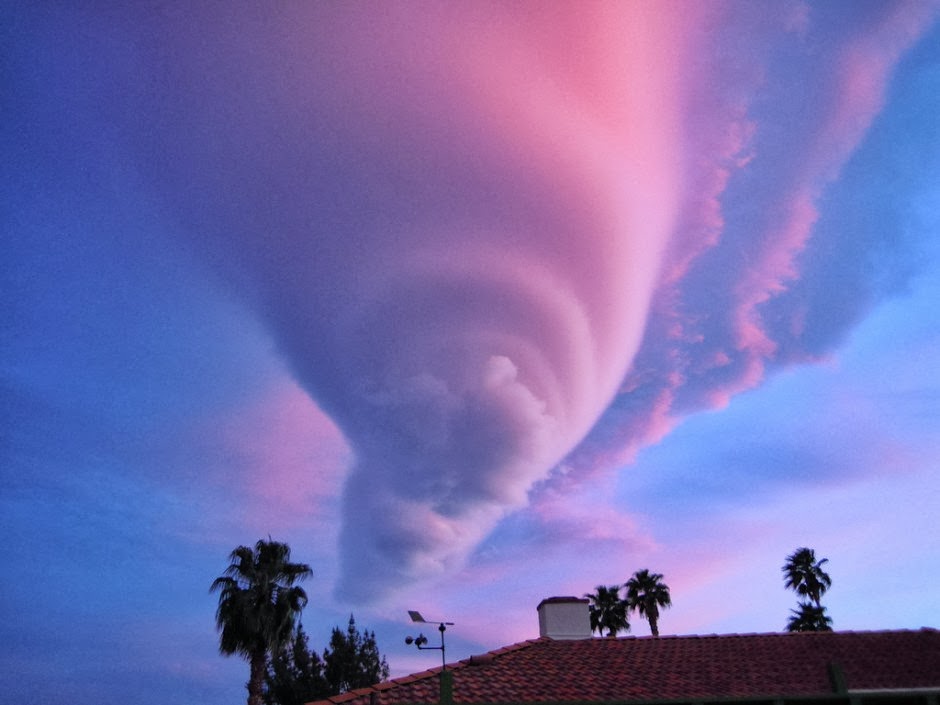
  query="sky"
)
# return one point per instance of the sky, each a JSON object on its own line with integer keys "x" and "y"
{"x": 473, "y": 304}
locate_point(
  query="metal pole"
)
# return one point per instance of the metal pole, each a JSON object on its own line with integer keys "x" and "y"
{"x": 442, "y": 629}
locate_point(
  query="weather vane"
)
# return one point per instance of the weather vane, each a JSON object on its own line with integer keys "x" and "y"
{"x": 421, "y": 640}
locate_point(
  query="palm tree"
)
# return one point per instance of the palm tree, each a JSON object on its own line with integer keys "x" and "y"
{"x": 804, "y": 574}
{"x": 809, "y": 618}
{"x": 258, "y": 603}
{"x": 646, "y": 593}
{"x": 608, "y": 611}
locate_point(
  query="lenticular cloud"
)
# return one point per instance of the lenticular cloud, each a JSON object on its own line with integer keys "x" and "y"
{"x": 454, "y": 222}
{"x": 451, "y": 222}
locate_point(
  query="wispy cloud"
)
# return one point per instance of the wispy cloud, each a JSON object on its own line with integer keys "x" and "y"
{"x": 730, "y": 308}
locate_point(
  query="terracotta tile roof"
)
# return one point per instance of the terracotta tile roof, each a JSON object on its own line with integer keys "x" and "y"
{"x": 674, "y": 668}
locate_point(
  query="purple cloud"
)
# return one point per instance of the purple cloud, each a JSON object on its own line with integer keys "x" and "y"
{"x": 476, "y": 238}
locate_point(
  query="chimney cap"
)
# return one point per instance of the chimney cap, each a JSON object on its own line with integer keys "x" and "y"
{"x": 561, "y": 600}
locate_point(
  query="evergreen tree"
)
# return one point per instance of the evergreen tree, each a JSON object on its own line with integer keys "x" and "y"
{"x": 352, "y": 660}
{"x": 295, "y": 674}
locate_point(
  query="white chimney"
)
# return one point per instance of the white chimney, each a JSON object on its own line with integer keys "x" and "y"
{"x": 564, "y": 618}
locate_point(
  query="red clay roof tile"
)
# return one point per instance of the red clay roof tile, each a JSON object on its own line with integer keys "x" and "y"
{"x": 667, "y": 668}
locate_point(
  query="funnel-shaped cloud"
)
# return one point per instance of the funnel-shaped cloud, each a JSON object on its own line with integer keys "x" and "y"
{"x": 451, "y": 221}
{"x": 455, "y": 222}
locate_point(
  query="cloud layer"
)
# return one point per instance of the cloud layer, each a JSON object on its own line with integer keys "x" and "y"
{"x": 456, "y": 222}
{"x": 502, "y": 248}
{"x": 453, "y": 243}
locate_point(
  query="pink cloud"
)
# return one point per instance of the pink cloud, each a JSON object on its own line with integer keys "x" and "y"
{"x": 468, "y": 228}
{"x": 511, "y": 206}
{"x": 717, "y": 320}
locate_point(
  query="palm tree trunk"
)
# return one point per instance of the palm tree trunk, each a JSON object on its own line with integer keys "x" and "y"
{"x": 258, "y": 665}
{"x": 653, "y": 614}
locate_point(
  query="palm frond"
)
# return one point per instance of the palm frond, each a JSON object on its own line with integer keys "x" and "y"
{"x": 258, "y": 601}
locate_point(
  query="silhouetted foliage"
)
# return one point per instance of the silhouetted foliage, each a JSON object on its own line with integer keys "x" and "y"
{"x": 804, "y": 574}
{"x": 809, "y": 618}
{"x": 258, "y": 606}
{"x": 608, "y": 610}
{"x": 646, "y": 593}
{"x": 295, "y": 674}
{"x": 352, "y": 660}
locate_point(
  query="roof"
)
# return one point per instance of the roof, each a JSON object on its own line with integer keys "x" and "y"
{"x": 679, "y": 667}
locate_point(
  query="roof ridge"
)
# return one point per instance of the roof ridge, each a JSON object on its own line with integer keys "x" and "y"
{"x": 476, "y": 660}
{"x": 750, "y": 635}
